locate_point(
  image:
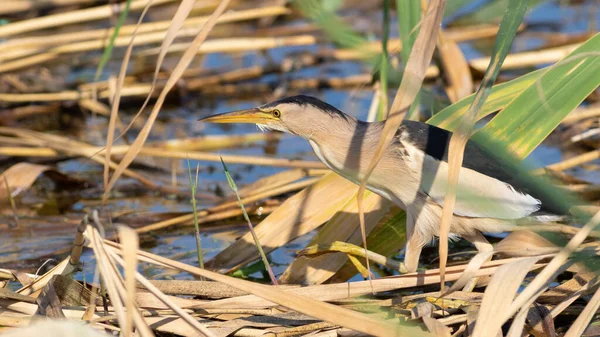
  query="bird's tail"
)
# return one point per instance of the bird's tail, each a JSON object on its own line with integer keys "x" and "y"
{"x": 548, "y": 217}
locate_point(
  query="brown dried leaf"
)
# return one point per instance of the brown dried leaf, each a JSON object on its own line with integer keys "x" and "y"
{"x": 584, "y": 318}
{"x": 499, "y": 295}
{"x": 129, "y": 236}
{"x": 525, "y": 243}
{"x": 343, "y": 226}
{"x": 456, "y": 68}
{"x": 63, "y": 268}
{"x": 19, "y": 177}
{"x": 302, "y": 304}
{"x": 436, "y": 328}
{"x": 298, "y": 215}
{"x": 541, "y": 320}
{"x": 470, "y": 272}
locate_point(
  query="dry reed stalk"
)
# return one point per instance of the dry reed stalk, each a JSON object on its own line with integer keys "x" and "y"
{"x": 28, "y": 152}
{"x": 78, "y": 16}
{"x": 136, "y": 276}
{"x": 114, "y": 284}
{"x": 94, "y": 106}
{"x": 527, "y": 59}
{"x": 206, "y": 143}
{"x": 129, "y": 264}
{"x": 582, "y": 113}
{"x": 44, "y": 97}
{"x": 227, "y": 45}
{"x": 335, "y": 291}
{"x": 352, "y": 81}
{"x": 223, "y": 211}
{"x": 574, "y": 161}
{"x": 456, "y": 68}
{"x": 412, "y": 79}
{"x": 303, "y": 304}
{"x": 115, "y": 99}
{"x": 8, "y": 274}
{"x": 94, "y": 152}
{"x": 236, "y": 45}
{"x": 547, "y": 275}
{"x": 143, "y": 89}
{"x": 244, "y": 44}
{"x": 72, "y": 147}
{"x": 459, "y": 34}
{"x": 207, "y": 289}
{"x": 125, "y": 31}
{"x": 14, "y": 6}
{"x": 231, "y": 158}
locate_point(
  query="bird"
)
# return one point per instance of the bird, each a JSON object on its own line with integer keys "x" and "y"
{"x": 412, "y": 172}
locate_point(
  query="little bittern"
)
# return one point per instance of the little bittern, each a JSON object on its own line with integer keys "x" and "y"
{"x": 412, "y": 173}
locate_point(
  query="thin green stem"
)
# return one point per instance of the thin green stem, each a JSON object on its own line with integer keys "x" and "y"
{"x": 193, "y": 187}
{"x": 383, "y": 71}
{"x": 111, "y": 43}
{"x": 234, "y": 188}
{"x": 409, "y": 16}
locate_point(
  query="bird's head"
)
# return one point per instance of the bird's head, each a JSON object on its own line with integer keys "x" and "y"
{"x": 300, "y": 115}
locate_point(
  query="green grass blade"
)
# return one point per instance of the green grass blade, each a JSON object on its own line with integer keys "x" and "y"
{"x": 383, "y": 103}
{"x": 193, "y": 188}
{"x": 506, "y": 34}
{"x": 111, "y": 43}
{"x": 538, "y": 109}
{"x": 490, "y": 12}
{"x": 452, "y": 7}
{"x": 263, "y": 256}
{"x": 501, "y": 95}
{"x": 330, "y": 23}
{"x": 409, "y": 16}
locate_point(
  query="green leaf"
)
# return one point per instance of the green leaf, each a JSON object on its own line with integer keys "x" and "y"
{"x": 383, "y": 73}
{"x": 500, "y": 95}
{"x": 454, "y": 6}
{"x": 490, "y": 12}
{"x": 504, "y": 39}
{"x": 261, "y": 252}
{"x": 230, "y": 181}
{"x": 387, "y": 238}
{"x": 409, "y": 17}
{"x": 330, "y": 23}
{"x": 111, "y": 43}
{"x": 528, "y": 119}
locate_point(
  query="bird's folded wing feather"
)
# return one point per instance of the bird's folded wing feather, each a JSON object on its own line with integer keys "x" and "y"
{"x": 485, "y": 187}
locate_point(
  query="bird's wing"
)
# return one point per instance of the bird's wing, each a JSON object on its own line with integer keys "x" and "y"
{"x": 486, "y": 187}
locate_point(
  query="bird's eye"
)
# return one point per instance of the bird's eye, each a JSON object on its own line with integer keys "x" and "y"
{"x": 276, "y": 113}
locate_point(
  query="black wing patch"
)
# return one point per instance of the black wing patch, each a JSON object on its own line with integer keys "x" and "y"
{"x": 435, "y": 141}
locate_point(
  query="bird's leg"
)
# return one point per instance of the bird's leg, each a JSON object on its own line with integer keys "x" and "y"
{"x": 414, "y": 244}
{"x": 482, "y": 245}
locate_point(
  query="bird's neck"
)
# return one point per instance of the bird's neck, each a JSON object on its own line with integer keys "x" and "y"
{"x": 346, "y": 148}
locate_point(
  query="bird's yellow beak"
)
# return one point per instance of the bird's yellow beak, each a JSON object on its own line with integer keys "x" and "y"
{"x": 254, "y": 116}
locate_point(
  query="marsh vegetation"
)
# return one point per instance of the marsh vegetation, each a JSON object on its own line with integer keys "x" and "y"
{"x": 121, "y": 211}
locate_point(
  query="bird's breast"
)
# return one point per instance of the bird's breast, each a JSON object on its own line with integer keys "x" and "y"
{"x": 383, "y": 177}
